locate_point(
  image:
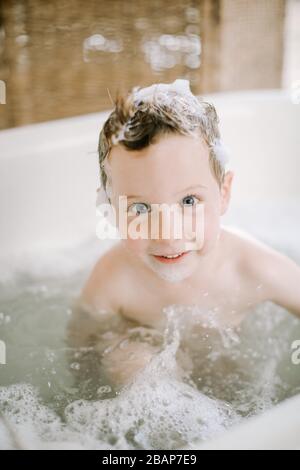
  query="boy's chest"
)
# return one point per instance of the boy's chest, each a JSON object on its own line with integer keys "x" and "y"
{"x": 227, "y": 305}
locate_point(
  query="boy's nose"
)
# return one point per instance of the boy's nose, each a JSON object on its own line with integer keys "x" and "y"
{"x": 167, "y": 226}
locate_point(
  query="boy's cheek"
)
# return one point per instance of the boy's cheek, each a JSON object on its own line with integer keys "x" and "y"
{"x": 138, "y": 247}
{"x": 211, "y": 229}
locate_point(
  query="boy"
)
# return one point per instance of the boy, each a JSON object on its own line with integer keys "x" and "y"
{"x": 162, "y": 145}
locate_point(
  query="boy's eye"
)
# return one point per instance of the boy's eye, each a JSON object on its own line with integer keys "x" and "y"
{"x": 139, "y": 208}
{"x": 190, "y": 200}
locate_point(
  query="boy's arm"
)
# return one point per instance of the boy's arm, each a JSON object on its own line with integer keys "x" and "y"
{"x": 120, "y": 357}
{"x": 280, "y": 277}
{"x": 91, "y": 310}
{"x": 96, "y": 322}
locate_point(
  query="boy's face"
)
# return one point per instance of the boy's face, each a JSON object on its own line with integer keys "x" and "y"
{"x": 174, "y": 170}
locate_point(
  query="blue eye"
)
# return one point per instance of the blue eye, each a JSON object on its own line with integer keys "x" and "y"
{"x": 190, "y": 200}
{"x": 139, "y": 208}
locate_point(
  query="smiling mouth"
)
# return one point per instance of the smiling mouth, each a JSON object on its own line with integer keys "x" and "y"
{"x": 168, "y": 259}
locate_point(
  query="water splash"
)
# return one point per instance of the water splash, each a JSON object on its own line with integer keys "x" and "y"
{"x": 203, "y": 378}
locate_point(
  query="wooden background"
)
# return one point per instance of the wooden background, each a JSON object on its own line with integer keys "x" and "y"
{"x": 59, "y": 58}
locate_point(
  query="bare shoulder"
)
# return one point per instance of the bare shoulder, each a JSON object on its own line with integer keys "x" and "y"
{"x": 251, "y": 254}
{"x": 256, "y": 261}
{"x": 245, "y": 244}
{"x": 104, "y": 284}
{"x": 97, "y": 306}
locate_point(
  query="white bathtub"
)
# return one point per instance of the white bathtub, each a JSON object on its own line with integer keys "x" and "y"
{"x": 49, "y": 175}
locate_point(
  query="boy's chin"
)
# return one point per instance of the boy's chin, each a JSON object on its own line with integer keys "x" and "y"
{"x": 170, "y": 273}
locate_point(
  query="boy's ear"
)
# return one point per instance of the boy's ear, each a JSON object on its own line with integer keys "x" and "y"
{"x": 226, "y": 191}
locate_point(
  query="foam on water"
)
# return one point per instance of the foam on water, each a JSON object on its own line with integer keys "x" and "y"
{"x": 159, "y": 409}
{"x": 200, "y": 383}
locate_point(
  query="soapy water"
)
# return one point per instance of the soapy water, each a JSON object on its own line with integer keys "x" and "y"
{"x": 204, "y": 378}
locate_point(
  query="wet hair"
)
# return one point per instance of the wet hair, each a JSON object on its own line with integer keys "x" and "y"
{"x": 140, "y": 118}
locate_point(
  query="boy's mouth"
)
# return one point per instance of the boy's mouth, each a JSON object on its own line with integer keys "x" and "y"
{"x": 169, "y": 259}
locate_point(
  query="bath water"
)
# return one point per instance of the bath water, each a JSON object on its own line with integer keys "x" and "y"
{"x": 203, "y": 379}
